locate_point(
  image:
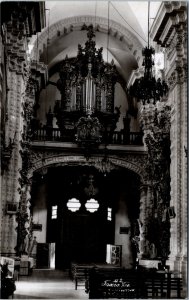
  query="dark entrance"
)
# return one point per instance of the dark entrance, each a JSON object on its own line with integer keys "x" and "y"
{"x": 80, "y": 236}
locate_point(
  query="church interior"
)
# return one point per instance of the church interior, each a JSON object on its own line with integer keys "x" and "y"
{"x": 94, "y": 149}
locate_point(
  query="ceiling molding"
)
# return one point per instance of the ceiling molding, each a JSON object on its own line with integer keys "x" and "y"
{"x": 65, "y": 26}
{"x": 132, "y": 163}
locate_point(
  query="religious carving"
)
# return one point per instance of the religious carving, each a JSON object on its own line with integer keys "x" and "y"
{"x": 88, "y": 131}
{"x": 133, "y": 162}
{"x": 135, "y": 237}
{"x": 23, "y": 215}
{"x": 172, "y": 80}
{"x": 158, "y": 165}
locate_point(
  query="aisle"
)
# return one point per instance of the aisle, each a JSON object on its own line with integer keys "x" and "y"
{"x": 48, "y": 284}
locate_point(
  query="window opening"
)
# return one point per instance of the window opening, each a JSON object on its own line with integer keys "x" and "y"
{"x": 109, "y": 215}
{"x": 92, "y": 205}
{"x": 73, "y": 204}
{"x": 54, "y": 212}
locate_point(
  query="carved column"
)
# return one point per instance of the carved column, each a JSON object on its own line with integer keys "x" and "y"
{"x": 156, "y": 126}
{"x": 19, "y": 23}
{"x": 10, "y": 176}
{"x": 177, "y": 76}
{"x": 142, "y": 220}
{"x": 146, "y": 118}
{"x": 169, "y": 30}
{"x": 24, "y": 220}
{"x": 23, "y": 216}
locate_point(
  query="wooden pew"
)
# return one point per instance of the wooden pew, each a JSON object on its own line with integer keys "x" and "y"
{"x": 80, "y": 274}
{"x": 122, "y": 283}
{"x": 166, "y": 286}
{"x": 115, "y": 283}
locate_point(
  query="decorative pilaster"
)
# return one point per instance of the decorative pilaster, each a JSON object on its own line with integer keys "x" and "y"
{"x": 23, "y": 216}
{"x": 18, "y": 25}
{"x": 142, "y": 220}
{"x": 177, "y": 75}
{"x": 155, "y": 120}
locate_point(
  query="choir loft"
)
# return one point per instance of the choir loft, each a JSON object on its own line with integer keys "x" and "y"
{"x": 94, "y": 149}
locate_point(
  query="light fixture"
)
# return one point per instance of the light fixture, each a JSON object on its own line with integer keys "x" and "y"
{"x": 147, "y": 89}
{"x": 73, "y": 204}
{"x": 92, "y": 205}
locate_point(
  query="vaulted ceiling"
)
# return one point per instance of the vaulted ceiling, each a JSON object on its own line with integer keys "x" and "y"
{"x": 126, "y": 21}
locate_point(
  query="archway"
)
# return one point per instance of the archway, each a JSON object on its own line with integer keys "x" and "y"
{"x": 82, "y": 235}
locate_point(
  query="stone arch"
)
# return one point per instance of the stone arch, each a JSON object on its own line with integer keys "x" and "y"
{"x": 134, "y": 164}
{"x": 68, "y": 25}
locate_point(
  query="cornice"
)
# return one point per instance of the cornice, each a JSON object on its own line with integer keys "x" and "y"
{"x": 170, "y": 14}
{"x": 68, "y": 25}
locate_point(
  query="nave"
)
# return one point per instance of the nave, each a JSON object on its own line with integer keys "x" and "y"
{"x": 58, "y": 284}
{"x": 48, "y": 284}
{"x": 94, "y": 148}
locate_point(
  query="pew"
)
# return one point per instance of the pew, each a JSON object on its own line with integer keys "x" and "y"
{"x": 80, "y": 273}
{"x": 115, "y": 283}
{"x": 164, "y": 286}
{"x": 122, "y": 283}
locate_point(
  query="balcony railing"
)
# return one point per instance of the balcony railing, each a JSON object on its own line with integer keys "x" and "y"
{"x": 117, "y": 138}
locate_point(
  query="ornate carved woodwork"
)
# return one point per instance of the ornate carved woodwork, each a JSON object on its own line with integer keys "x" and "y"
{"x": 87, "y": 86}
{"x": 158, "y": 169}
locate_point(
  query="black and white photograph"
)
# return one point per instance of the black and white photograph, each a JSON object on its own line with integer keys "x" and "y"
{"x": 94, "y": 149}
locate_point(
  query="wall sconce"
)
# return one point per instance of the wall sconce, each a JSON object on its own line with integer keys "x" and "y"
{"x": 73, "y": 204}
{"x": 92, "y": 205}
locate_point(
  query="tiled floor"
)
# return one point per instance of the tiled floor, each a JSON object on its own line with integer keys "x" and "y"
{"x": 48, "y": 284}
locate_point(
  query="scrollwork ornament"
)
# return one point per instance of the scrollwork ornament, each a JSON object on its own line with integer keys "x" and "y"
{"x": 180, "y": 74}
{"x": 158, "y": 169}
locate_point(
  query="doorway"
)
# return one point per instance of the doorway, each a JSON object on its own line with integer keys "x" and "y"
{"x": 81, "y": 235}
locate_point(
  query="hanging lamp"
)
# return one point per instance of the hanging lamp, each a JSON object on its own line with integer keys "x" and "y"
{"x": 147, "y": 89}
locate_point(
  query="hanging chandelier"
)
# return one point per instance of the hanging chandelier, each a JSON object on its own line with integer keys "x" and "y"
{"x": 147, "y": 89}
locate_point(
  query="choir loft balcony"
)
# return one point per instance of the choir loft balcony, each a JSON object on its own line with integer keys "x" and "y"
{"x": 88, "y": 112}
{"x": 117, "y": 138}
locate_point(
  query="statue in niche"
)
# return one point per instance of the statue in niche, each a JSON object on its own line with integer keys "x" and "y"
{"x": 32, "y": 249}
{"x": 135, "y": 238}
{"x": 24, "y": 243}
{"x": 152, "y": 251}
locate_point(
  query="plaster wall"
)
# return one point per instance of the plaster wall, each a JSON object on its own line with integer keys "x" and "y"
{"x": 122, "y": 220}
{"x": 40, "y": 213}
